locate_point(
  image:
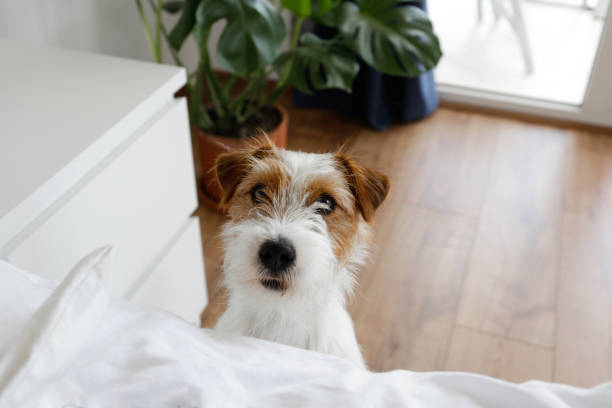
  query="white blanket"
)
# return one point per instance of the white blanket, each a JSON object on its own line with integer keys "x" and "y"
{"x": 76, "y": 347}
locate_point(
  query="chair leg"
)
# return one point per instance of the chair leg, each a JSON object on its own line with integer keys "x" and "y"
{"x": 517, "y": 20}
{"x": 601, "y": 9}
{"x": 498, "y": 8}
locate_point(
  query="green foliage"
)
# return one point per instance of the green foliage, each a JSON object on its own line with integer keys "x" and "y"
{"x": 321, "y": 7}
{"x": 322, "y": 64}
{"x": 397, "y": 40}
{"x": 184, "y": 26}
{"x": 173, "y": 7}
{"x": 391, "y": 36}
{"x": 301, "y": 8}
{"x": 252, "y": 36}
{"x": 307, "y": 8}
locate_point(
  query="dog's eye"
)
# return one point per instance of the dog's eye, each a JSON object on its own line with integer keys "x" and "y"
{"x": 257, "y": 194}
{"x": 326, "y": 204}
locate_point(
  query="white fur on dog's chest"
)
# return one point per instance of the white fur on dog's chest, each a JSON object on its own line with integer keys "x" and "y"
{"x": 326, "y": 329}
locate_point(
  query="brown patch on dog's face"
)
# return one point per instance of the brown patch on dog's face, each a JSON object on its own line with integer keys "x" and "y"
{"x": 343, "y": 221}
{"x": 259, "y": 188}
{"x": 230, "y": 168}
{"x": 369, "y": 187}
{"x": 264, "y": 181}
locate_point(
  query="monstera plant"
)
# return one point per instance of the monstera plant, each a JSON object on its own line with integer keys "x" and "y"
{"x": 393, "y": 36}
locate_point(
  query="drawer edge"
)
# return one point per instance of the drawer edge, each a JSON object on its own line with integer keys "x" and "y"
{"x": 32, "y": 213}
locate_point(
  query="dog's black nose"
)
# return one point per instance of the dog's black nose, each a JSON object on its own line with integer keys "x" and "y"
{"x": 277, "y": 256}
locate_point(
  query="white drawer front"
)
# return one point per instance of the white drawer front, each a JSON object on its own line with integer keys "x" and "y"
{"x": 177, "y": 283}
{"x": 136, "y": 203}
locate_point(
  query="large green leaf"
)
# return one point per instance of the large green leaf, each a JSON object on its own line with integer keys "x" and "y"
{"x": 174, "y": 6}
{"x": 301, "y": 8}
{"x": 207, "y": 13}
{"x": 391, "y": 36}
{"x": 320, "y": 7}
{"x": 320, "y": 64}
{"x": 251, "y": 38}
{"x": 306, "y": 8}
{"x": 184, "y": 25}
{"x": 329, "y": 17}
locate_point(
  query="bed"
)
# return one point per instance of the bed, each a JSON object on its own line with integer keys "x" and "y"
{"x": 75, "y": 345}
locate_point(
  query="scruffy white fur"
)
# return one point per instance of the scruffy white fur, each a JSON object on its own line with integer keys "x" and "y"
{"x": 312, "y": 313}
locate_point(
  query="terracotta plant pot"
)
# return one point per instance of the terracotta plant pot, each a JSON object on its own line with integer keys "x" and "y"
{"x": 210, "y": 146}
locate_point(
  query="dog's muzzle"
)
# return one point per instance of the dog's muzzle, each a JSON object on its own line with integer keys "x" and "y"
{"x": 276, "y": 257}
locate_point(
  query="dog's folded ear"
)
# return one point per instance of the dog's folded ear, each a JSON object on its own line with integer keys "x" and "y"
{"x": 369, "y": 187}
{"x": 231, "y": 167}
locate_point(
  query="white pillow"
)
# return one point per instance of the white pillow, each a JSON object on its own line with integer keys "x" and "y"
{"x": 75, "y": 306}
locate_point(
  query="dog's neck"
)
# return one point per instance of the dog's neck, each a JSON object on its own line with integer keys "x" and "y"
{"x": 319, "y": 323}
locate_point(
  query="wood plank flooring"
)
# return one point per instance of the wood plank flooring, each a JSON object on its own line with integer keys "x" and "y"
{"x": 584, "y": 304}
{"x": 494, "y": 249}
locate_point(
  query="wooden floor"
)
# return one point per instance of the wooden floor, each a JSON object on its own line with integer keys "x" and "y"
{"x": 494, "y": 249}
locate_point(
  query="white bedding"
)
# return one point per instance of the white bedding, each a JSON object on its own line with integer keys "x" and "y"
{"x": 77, "y": 347}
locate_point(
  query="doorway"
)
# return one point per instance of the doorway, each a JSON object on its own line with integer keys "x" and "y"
{"x": 537, "y": 56}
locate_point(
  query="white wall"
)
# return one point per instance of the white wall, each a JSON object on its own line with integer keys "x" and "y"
{"x": 109, "y": 27}
{"x": 101, "y": 26}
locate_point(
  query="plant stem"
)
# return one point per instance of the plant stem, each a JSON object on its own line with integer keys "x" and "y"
{"x": 197, "y": 114}
{"x": 227, "y": 88}
{"x": 282, "y": 83}
{"x": 164, "y": 32}
{"x": 250, "y": 106}
{"x": 236, "y": 104}
{"x": 262, "y": 91}
{"x": 209, "y": 76}
{"x": 158, "y": 19}
{"x": 213, "y": 89}
{"x": 147, "y": 29}
{"x": 175, "y": 56}
{"x": 254, "y": 103}
{"x": 297, "y": 29}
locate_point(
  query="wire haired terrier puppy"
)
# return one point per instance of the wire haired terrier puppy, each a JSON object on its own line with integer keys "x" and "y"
{"x": 298, "y": 231}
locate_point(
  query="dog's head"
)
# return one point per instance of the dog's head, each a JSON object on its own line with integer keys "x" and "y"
{"x": 299, "y": 222}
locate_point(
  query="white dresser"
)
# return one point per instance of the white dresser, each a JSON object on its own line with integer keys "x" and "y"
{"x": 95, "y": 150}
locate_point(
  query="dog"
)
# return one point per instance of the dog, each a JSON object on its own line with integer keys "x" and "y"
{"x": 298, "y": 231}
